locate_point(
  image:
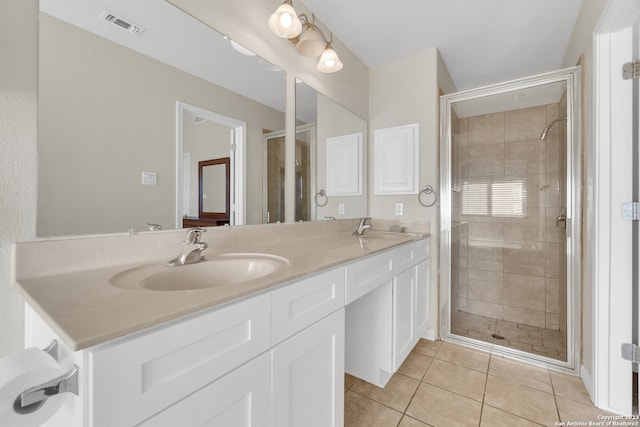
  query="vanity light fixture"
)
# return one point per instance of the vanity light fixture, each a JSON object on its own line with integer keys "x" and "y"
{"x": 308, "y": 38}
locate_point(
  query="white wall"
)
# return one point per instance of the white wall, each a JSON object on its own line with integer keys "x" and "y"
{"x": 580, "y": 52}
{"x": 18, "y": 161}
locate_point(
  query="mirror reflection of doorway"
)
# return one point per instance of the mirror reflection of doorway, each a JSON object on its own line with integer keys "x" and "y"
{"x": 204, "y": 135}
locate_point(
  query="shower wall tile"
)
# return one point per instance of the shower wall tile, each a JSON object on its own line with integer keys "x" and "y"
{"x": 485, "y": 285}
{"x": 486, "y": 129}
{"x": 524, "y": 124}
{"x": 552, "y": 295}
{"x": 552, "y": 321}
{"x": 554, "y": 154}
{"x": 527, "y": 157}
{"x": 533, "y": 215}
{"x": 484, "y": 153}
{"x": 552, "y": 255}
{"x": 524, "y": 315}
{"x": 529, "y": 260}
{"x": 486, "y": 309}
{"x": 553, "y": 233}
{"x": 554, "y": 191}
{"x": 524, "y": 291}
{"x": 492, "y": 231}
{"x": 483, "y": 169}
{"x": 485, "y": 258}
{"x": 524, "y": 232}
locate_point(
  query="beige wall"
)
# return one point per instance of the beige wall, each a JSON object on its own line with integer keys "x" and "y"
{"x": 580, "y": 52}
{"x": 18, "y": 158}
{"x": 403, "y": 92}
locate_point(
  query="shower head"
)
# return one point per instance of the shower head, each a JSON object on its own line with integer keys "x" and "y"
{"x": 547, "y": 128}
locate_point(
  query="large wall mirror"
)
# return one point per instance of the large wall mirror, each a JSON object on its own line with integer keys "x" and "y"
{"x": 111, "y": 73}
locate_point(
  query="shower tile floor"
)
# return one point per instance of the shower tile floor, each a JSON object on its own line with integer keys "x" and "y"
{"x": 442, "y": 384}
{"x": 520, "y": 336}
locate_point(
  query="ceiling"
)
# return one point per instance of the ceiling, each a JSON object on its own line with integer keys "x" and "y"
{"x": 481, "y": 41}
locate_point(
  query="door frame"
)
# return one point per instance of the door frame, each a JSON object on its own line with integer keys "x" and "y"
{"x": 237, "y": 150}
{"x": 571, "y": 76}
{"x": 610, "y": 381}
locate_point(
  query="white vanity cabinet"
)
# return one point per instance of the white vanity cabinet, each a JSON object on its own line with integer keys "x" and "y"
{"x": 308, "y": 352}
{"x": 273, "y": 359}
{"x": 390, "y": 313}
{"x": 134, "y": 379}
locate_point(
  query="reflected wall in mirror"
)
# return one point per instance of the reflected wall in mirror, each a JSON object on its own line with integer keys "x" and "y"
{"x": 107, "y": 112}
{"x": 214, "y": 189}
{"x": 336, "y": 122}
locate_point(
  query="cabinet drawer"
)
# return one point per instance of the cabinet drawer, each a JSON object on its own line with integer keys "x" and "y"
{"x": 409, "y": 255}
{"x": 303, "y": 303}
{"x": 135, "y": 379}
{"x": 366, "y": 275}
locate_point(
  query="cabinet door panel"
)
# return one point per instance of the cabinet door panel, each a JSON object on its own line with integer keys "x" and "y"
{"x": 308, "y": 376}
{"x": 241, "y": 398}
{"x": 422, "y": 297}
{"x": 404, "y": 315}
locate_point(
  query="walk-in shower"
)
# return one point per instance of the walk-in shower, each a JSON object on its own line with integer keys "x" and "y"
{"x": 510, "y": 225}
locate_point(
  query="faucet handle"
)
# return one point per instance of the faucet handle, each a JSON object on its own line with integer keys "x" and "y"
{"x": 194, "y": 234}
{"x": 364, "y": 220}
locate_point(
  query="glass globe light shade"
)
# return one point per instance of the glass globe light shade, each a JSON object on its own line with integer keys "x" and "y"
{"x": 329, "y": 61}
{"x": 284, "y": 22}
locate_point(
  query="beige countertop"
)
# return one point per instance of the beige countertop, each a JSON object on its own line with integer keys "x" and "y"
{"x": 84, "y": 309}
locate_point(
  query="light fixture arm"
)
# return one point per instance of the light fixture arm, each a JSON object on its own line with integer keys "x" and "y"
{"x": 306, "y": 23}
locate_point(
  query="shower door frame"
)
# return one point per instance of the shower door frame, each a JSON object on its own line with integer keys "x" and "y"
{"x": 571, "y": 76}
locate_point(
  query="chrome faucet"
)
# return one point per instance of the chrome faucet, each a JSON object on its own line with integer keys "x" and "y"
{"x": 362, "y": 226}
{"x": 193, "y": 248}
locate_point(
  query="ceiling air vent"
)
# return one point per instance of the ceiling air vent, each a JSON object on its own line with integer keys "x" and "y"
{"x": 122, "y": 23}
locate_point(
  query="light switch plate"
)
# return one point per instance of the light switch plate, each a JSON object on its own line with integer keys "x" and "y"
{"x": 149, "y": 178}
{"x": 340, "y": 208}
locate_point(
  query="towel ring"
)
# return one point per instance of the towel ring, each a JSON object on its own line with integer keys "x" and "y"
{"x": 321, "y": 193}
{"x": 427, "y": 190}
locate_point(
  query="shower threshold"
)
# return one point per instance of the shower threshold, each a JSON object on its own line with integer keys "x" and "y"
{"x": 519, "y": 336}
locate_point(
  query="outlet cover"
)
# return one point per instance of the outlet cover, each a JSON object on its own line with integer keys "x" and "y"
{"x": 149, "y": 178}
{"x": 399, "y": 209}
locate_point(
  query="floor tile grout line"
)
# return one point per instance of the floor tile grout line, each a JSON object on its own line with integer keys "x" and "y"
{"x": 484, "y": 392}
{"x": 555, "y": 398}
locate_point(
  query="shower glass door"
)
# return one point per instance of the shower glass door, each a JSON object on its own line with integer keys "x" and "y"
{"x": 509, "y": 224}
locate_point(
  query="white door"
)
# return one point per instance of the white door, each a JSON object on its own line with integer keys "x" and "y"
{"x": 612, "y": 299}
{"x": 308, "y": 376}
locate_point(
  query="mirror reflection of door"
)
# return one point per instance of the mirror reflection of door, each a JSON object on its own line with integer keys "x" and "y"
{"x": 203, "y": 140}
{"x": 214, "y": 189}
{"x": 274, "y": 180}
{"x": 274, "y": 175}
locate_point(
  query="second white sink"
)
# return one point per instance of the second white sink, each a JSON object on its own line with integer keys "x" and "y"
{"x": 219, "y": 270}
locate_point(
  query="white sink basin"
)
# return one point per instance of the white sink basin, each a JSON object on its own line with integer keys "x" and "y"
{"x": 219, "y": 270}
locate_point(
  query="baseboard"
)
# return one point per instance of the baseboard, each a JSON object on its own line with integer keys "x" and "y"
{"x": 588, "y": 381}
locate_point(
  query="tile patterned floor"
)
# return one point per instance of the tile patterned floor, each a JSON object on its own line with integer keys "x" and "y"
{"x": 444, "y": 384}
{"x": 532, "y": 339}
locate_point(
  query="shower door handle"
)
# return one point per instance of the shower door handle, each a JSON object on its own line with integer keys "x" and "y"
{"x": 562, "y": 218}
